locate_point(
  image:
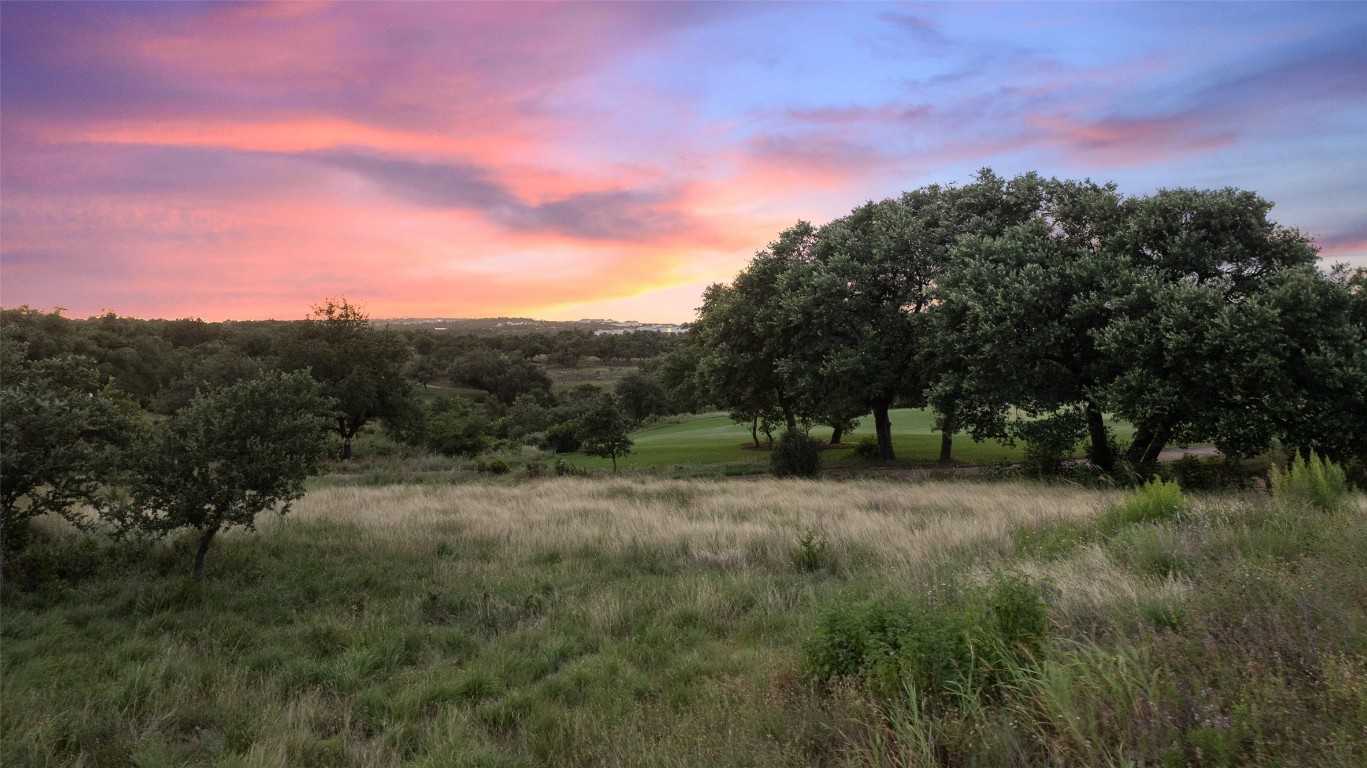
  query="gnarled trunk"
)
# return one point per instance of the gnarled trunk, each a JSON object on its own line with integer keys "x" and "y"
{"x": 754, "y": 431}
{"x": 1148, "y": 443}
{"x": 837, "y": 433}
{"x": 205, "y": 539}
{"x": 883, "y": 427}
{"x": 947, "y": 427}
{"x": 1096, "y": 429}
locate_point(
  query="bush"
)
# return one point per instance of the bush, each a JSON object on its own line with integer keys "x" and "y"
{"x": 565, "y": 469}
{"x": 1157, "y": 501}
{"x": 866, "y": 449}
{"x": 1196, "y": 474}
{"x": 940, "y": 651}
{"x": 492, "y": 466}
{"x": 563, "y": 437}
{"x": 1315, "y": 482}
{"x": 1049, "y": 441}
{"x": 796, "y": 454}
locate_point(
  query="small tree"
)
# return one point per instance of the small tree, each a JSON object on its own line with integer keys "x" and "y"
{"x": 62, "y": 434}
{"x": 359, "y": 367}
{"x": 603, "y": 431}
{"x": 230, "y": 455}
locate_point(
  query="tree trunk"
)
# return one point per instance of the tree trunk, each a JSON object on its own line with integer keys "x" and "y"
{"x": 947, "y": 427}
{"x": 614, "y": 463}
{"x": 1139, "y": 444}
{"x": 754, "y": 431}
{"x": 837, "y": 432}
{"x": 1157, "y": 444}
{"x": 1148, "y": 443}
{"x": 883, "y": 426}
{"x": 205, "y": 540}
{"x": 1101, "y": 447}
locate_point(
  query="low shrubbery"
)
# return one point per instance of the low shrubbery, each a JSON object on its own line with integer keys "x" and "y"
{"x": 866, "y": 449}
{"x": 1048, "y": 441}
{"x": 1315, "y": 481}
{"x": 1156, "y": 501}
{"x": 940, "y": 651}
{"x": 796, "y": 454}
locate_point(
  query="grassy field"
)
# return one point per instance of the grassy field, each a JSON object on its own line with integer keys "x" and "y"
{"x": 713, "y": 438}
{"x": 616, "y": 622}
{"x": 604, "y": 377}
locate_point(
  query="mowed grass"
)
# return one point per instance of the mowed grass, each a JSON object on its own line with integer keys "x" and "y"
{"x": 713, "y": 438}
{"x": 663, "y": 623}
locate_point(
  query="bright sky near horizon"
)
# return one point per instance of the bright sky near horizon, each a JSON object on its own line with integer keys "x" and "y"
{"x": 609, "y": 160}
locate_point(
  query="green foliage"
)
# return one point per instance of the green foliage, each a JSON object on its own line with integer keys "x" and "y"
{"x": 492, "y": 466}
{"x": 456, "y": 426}
{"x": 63, "y": 437}
{"x": 506, "y": 377}
{"x": 1049, "y": 440}
{"x": 1195, "y": 474}
{"x": 813, "y": 552}
{"x": 1053, "y": 540}
{"x": 563, "y": 437}
{"x": 1315, "y": 482}
{"x": 360, "y": 368}
{"x": 866, "y": 449}
{"x": 796, "y": 454}
{"x": 603, "y": 431}
{"x": 1154, "y": 502}
{"x": 641, "y": 396}
{"x": 939, "y": 651}
{"x": 228, "y": 456}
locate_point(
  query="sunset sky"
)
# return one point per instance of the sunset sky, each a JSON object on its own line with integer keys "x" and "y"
{"x": 609, "y": 160}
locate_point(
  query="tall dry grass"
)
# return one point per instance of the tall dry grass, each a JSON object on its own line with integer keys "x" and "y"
{"x": 901, "y": 525}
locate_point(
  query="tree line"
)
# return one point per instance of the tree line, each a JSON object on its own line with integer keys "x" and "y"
{"x": 1031, "y": 308}
{"x": 90, "y": 421}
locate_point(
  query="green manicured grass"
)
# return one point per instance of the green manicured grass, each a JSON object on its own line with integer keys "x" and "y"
{"x": 683, "y": 623}
{"x": 712, "y": 438}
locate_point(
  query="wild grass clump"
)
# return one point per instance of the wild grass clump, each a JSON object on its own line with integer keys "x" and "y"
{"x": 965, "y": 647}
{"x": 1154, "y": 502}
{"x": 813, "y": 552}
{"x": 796, "y": 454}
{"x": 1315, "y": 482}
{"x": 1053, "y": 539}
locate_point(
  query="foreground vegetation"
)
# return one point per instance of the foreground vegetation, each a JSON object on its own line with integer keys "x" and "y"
{"x": 592, "y": 622}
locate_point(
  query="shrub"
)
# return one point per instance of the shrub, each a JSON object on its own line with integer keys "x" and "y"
{"x": 1157, "y": 501}
{"x": 1196, "y": 474}
{"x": 563, "y": 437}
{"x": 492, "y": 466}
{"x": 565, "y": 469}
{"x": 813, "y": 552}
{"x": 1049, "y": 441}
{"x": 1316, "y": 482}
{"x": 796, "y": 454}
{"x": 968, "y": 647}
{"x": 867, "y": 449}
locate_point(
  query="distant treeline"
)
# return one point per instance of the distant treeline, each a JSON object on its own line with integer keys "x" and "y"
{"x": 160, "y": 363}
